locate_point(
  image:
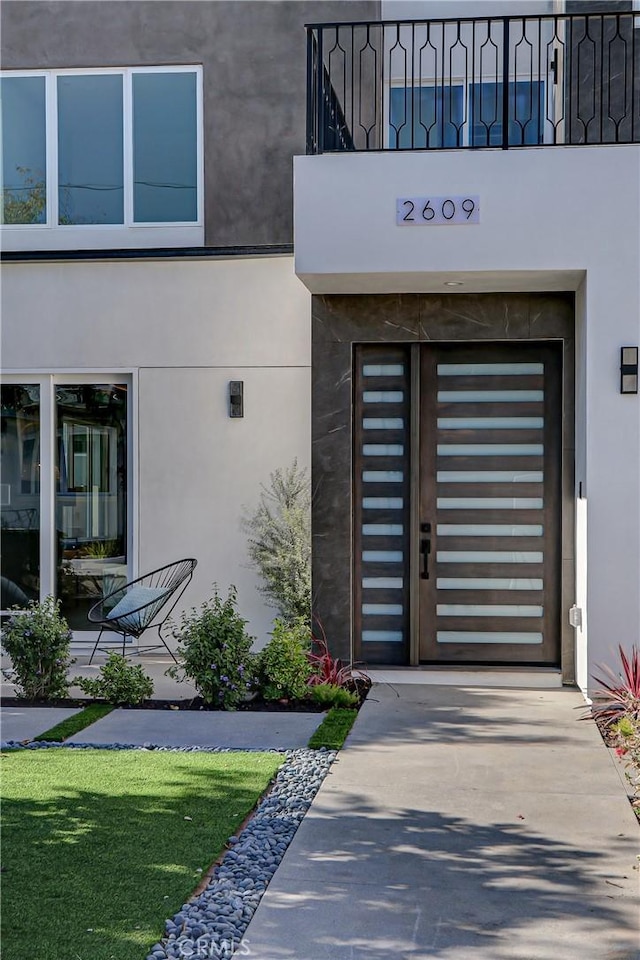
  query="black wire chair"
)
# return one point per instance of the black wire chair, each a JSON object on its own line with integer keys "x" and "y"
{"x": 142, "y": 605}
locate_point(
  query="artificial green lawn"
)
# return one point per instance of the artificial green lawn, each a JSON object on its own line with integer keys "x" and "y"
{"x": 77, "y": 722}
{"x": 97, "y": 852}
{"x": 333, "y": 730}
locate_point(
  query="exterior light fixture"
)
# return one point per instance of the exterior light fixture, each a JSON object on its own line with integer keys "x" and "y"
{"x": 628, "y": 370}
{"x": 236, "y": 398}
{"x": 453, "y": 283}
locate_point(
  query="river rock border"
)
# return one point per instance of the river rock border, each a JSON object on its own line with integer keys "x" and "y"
{"x": 213, "y": 923}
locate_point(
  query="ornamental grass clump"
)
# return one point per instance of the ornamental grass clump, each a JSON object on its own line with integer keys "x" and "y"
{"x": 283, "y": 665}
{"x": 37, "y": 640}
{"x": 215, "y": 652}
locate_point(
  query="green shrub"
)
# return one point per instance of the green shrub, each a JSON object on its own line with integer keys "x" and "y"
{"x": 280, "y": 543}
{"x": 330, "y": 695}
{"x": 625, "y": 727}
{"x": 118, "y": 682}
{"x": 37, "y": 640}
{"x": 283, "y": 665}
{"x": 215, "y": 652}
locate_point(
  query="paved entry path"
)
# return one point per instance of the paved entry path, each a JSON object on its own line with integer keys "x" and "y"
{"x": 461, "y": 824}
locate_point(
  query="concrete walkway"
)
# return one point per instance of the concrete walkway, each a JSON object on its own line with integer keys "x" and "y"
{"x": 169, "y": 728}
{"x": 235, "y": 730}
{"x": 24, "y": 723}
{"x": 461, "y": 824}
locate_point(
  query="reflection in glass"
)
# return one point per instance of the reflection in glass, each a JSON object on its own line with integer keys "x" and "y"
{"x": 487, "y": 636}
{"x": 490, "y": 449}
{"x": 24, "y": 159}
{"x": 382, "y": 529}
{"x": 382, "y": 636}
{"x": 488, "y": 583}
{"x": 488, "y": 369}
{"x": 165, "y": 171}
{"x": 489, "y": 396}
{"x": 382, "y": 503}
{"x": 382, "y": 423}
{"x": 382, "y": 396}
{"x": 490, "y": 529}
{"x": 489, "y": 556}
{"x": 20, "y": 494}
{"x": 91, "y": 504}
{"x": 382, "y": 370}
{"x": 489, "y": 476}
{"x": 487, "y": 610}
{"x": 90, "y": 151}
{"x": 382, "y": 449}
{"x": 490, "y": 423}
{"x": 382, "y": 609}
{"x": 490, "y": 503}
{"x": 382, "y": 583}
{"x": 382, "y": 476}
{"x": 382, "y": 556}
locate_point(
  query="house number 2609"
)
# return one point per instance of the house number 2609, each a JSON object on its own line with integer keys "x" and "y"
{"x": 437, "y": 211}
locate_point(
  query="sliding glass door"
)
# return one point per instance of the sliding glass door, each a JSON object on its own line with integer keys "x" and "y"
{"x": 64, "y": 487}
{"x": 91, "y": 501}
{"x": 20, "y": 494}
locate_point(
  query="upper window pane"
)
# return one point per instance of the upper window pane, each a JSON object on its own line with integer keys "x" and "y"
{"x": 90, "y": 152}
{"x": 426, "y": 116}
{"x": 24, "y": 161}
{"x": 164, "y": 148}
{"x": 526, "y": 103}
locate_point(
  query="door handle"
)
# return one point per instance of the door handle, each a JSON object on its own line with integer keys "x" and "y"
{"x": 425, "y": 550}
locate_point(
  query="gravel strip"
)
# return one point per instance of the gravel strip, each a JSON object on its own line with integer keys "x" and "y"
{"x": 214, "y": 922}
{"x": 64, "y": 744}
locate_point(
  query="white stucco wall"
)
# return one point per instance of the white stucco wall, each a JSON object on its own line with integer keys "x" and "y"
{"x": 551, "y": 219}
{"x": 184, "y": 329}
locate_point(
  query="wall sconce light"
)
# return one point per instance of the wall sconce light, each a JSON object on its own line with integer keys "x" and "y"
{"x": 236, "y": 398}
{"x": 628, "y": 370}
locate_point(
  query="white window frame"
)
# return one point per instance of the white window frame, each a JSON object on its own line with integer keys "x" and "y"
{"x": 103, "y": 236}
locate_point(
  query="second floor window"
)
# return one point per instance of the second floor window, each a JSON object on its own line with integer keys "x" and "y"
{"x": 102, "y": 148}
{"x": 455, "y": 115}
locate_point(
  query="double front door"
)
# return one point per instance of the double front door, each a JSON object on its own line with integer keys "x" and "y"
{"x": 457, "y": 481}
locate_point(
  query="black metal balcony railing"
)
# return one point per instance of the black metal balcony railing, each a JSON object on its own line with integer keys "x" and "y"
{"x": 493, "y": 82}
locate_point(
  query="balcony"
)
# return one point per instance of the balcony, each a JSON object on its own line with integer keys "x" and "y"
{"x": 504, "y": 82}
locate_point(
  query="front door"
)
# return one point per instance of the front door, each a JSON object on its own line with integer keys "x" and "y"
{"x": 490, "y": 467}
{"x": 457, "y": 503}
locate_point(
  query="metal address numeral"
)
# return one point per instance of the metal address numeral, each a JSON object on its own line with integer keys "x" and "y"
{"x": 437, "y": 211}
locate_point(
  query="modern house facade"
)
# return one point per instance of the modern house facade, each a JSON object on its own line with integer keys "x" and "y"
{"x": 442, "y": 342}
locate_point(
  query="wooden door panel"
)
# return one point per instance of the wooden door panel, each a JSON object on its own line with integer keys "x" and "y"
{"x": 490, "y": 458}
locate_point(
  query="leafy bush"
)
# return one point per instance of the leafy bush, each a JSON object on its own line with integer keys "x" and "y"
{"x": 329, "y": 695}
{"x": 118, "y": 682}
{"x": 283, "y": 665}
{"x": 37, "y": 640}
{"x": 215, "y": 652}
{"x": 280, "y": 543}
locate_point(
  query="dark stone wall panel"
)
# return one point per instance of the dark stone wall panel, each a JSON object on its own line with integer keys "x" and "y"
{"x": 340, "y": 321}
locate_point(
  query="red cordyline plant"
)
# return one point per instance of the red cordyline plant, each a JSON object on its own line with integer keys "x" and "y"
{"x": 621, "y": 690}
{"x": 329, "y": 669}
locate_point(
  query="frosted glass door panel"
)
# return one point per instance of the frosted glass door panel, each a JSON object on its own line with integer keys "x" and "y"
{"x": 381, "y": 502}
